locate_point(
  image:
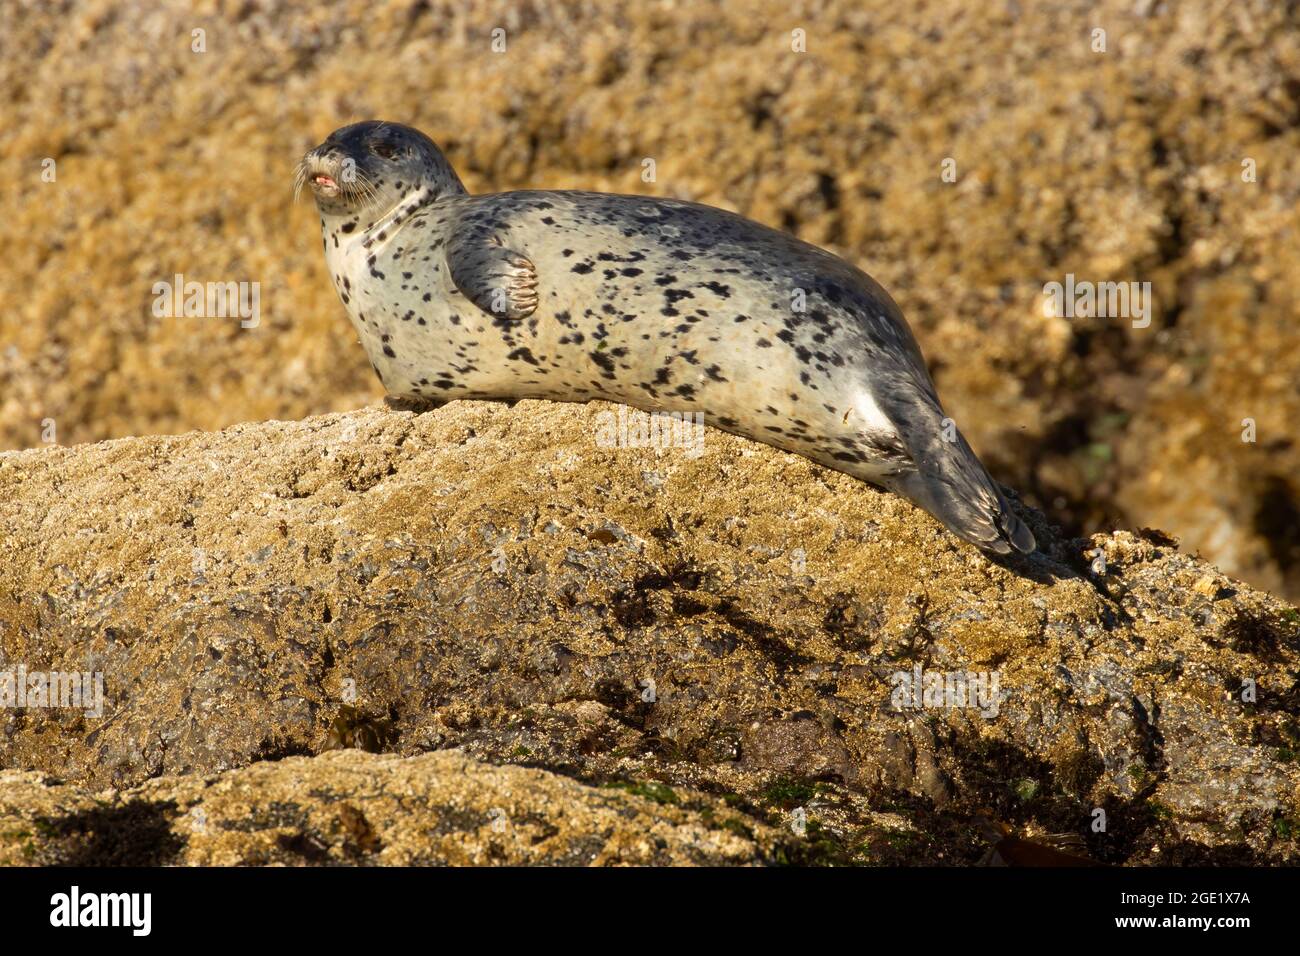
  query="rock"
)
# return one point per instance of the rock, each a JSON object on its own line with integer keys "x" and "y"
{"x": 356, "y": 808}
{"x": 748, "y": 625}
{"x": 1138, "y": 163}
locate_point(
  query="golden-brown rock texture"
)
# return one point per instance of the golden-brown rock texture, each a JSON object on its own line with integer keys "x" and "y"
{"x": 1121, "y": 165}
{"x": 490, "y": 578}
{"x": 352, "y": 807}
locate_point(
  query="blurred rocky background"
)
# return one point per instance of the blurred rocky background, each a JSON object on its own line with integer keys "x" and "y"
{"x": 1122, "y": 165}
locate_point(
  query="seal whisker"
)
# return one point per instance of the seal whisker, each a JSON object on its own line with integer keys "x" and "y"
{"x": 299, "y": 179}
{"x": 362, "y": 187}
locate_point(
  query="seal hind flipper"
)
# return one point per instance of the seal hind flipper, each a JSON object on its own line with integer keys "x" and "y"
{"x": 947, "y": 479}
{"x": 500, "y": 281}
{"x": 954, "y": 487}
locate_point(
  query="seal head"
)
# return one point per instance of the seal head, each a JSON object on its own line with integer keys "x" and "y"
{"x": 371, "y": 167}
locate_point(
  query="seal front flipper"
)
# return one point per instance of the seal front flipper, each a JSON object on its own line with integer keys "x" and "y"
{"x": 498, "y": 280}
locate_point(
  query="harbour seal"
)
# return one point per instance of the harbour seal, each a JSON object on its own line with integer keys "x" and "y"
{"x": 660, "y": 304}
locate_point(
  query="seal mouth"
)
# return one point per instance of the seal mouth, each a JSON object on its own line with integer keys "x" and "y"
{"x": 324, "y": 185}
{"x": 333, "y": 177}
{"x": 318, "y": 173}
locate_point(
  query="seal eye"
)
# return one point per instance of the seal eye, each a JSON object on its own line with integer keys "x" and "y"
{"x": 385, "y": 150}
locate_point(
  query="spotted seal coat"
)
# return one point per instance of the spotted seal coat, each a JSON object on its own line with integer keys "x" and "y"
{"x": 656, "y": 303}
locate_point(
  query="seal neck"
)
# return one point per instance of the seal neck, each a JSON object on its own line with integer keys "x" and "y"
{"x": 352, "y": 228}
{"x": 378, "y": 233}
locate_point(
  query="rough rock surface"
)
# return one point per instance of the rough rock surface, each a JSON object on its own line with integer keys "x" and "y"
{"x": 493, "y": 579}
{"x": 351, "y": 807}
{"x": 1123, "y": 165}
